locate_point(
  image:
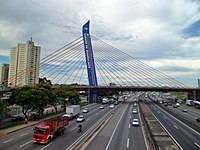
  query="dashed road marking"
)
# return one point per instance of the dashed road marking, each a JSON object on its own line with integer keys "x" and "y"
{"x": 197, "y": 144}
{"x": 26, "y": 143}
{"x": 127, "y": 144}
{"x": 8, "y": 141}
{"x": 46, "y": 146}
{"x": 24, "y": 134}
{"x": 175, "y": 127}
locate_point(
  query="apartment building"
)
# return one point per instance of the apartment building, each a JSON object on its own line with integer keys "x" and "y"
{"x": 24, "y": 64}
{"x": 4, "y": 73}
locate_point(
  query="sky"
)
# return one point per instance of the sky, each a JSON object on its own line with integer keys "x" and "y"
{"x": 164, "y": 34}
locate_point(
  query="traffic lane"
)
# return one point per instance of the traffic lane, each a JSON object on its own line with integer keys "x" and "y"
{"x": 120, "y": 135}
{"x": 16, "y": 139}
{"x": 189, "y": 114}
{"x": 186, "y": 137}
{"x": 71, "y": 136}
{"x": 21, "y": 138}
{"x": 175, "y": 120}
{"x": 101, "y": 140}
{"x": 136, "y": 136}
{"x": 68, "y": 138}
{"x": 29, "y": 129}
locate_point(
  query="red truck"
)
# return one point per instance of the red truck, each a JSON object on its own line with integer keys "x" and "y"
{"x": 45, "y": 133}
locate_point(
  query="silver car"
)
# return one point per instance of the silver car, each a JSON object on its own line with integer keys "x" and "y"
{"x": 80, "y": 118}
{"x": 134, "y": 111}
{"x": 85, "y": 110}
{"x": 135, "y": 122}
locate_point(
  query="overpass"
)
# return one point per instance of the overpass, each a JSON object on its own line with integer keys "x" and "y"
{"x": 89, "y": 60}
{"x": 135, "y": 88}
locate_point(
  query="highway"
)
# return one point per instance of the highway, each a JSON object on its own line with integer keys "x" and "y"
{"x": 192, "y": 113}
{"x": 186, "y": 137}
{"x": 118, "y": 133}
{"x": 22, "y": 139}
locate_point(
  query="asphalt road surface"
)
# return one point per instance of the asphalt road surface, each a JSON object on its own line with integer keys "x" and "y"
{"x": 185, "y": 136}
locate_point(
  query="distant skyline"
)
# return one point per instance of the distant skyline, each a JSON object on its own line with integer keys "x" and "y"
{"x": 164, "y": 34}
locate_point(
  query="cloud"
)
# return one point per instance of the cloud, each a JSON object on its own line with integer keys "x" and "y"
{"x": 152, "y": 31}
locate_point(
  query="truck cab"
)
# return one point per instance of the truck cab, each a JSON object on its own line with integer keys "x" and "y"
{"x": 45, "y": 133}
{"x": 42, "y": 134}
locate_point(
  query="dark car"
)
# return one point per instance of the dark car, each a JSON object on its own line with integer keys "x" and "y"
{"x": 18, "y": 118}
{"x": 165, "y": 104}
{"x": 169, "y": 104}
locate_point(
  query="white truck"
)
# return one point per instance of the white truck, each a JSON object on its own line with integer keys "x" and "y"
{"x": 105, "y": 100}
{"x": 72, "y": 111}
{"x": 190, "y": 102}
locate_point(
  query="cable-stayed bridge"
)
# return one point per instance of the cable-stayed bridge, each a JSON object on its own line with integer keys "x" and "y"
{"x": 68, "y": 65}
{"x": 96, "y": 65}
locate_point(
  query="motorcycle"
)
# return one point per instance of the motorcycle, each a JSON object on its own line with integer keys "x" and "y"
{"x": 79, "y": 128}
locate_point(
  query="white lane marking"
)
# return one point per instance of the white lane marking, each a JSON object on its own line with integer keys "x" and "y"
{"x": 8, "y": 141}
{"x": 127, "y": 144}
{"x": 165, "y": 117}
{"x": 180, "y": 121}
{"x": 46, "y": 146}
{"x": 129, "y": 125}
{"x": 26, "y": 143}
{"x": 175, "y": 127}
{"x": 24, "y": 134}
{"x": 197, "y": 144}
{"x": 73, "y": 129}
{"x": 115, "y": 128}
{"x": 96, "y": 113}
{"x": 130, "y": 117}
{"x": 166, "y": 130}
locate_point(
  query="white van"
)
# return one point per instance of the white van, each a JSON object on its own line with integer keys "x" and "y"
{"x": 189, "y": 102}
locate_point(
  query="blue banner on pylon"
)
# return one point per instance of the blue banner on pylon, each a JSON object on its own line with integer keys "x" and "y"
{"x": 92, "y": 78}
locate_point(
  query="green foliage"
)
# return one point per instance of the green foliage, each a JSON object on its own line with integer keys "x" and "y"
{"x": 37, "y": 97}
{"x": 3, "y": 107}
{"x": 67, "y": 92}
{"x": 107, "y": 93}
{"x": 23, "y": 96}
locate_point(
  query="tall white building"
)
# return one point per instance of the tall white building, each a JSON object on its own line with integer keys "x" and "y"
{"x": 24, "y": 64}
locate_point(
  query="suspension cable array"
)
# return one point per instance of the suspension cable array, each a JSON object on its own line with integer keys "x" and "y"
{"x": 68, "y": 66}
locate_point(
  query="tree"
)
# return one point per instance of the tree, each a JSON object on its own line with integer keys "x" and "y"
{"x": 22, "y": 96}
{"x": 41, "y": 94}
{"x": 53, "y": 100}
{"x": 3, "y": 107}
{"x": 67, "y": 92}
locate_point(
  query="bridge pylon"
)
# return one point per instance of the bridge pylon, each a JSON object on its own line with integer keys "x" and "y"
{"x": 92, "y": 78}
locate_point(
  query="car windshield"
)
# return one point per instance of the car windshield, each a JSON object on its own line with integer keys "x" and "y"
{"x": 40, "y": 130}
